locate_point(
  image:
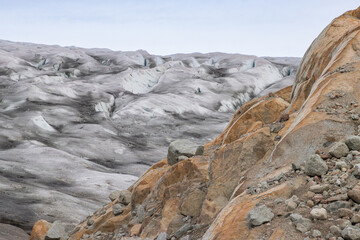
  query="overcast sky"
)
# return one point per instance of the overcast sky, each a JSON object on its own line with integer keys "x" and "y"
{"x": 258, "y": 27}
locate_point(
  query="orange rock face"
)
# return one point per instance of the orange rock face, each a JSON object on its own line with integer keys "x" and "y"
{"x": 266, "y": 135}
{"x": 39, "y": 230}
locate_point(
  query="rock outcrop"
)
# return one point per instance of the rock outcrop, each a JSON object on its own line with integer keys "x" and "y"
{"x": 273, "y": 148}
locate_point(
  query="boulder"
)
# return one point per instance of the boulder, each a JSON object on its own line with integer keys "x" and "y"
{"x": 39, "y": 230}
{"x": 354, "y": 194}
{"x": 340, "y": 149}
{"x": 259, "y": 215}
{"x": 162, "y": 236}
{"x": 118, "y": 209}
{"x": 10, "y": 232}
{"x": 319, "y": 213}
{"x": 353, "y": 142}
{"x": 351, "y": 233}
{"x": 315, "y": 166}
{"x": 183, "y": 147}
{"x": 56, "y": 231}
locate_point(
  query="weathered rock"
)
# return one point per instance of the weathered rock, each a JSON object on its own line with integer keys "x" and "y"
{"x": 319, "y": 188}
{"x": 162, "y": 236}
{"x": 319, "y": 213}
{"x": 315, "y": 166}
{"x": 114, "y": 195}
{"x": 304, "y": 225}
{"x": 345, "y": 212}
{"x": 335, "y": 230}
{"x": 124, "y": 197}
{"x": 355, "y": 219}
{"x": 191, "y": 205}
{"x": 351, "y": 233}
{"x": 291, "y": 205}
{"x": 182, "y": 230}
{"x": 340, "y": 149}
{"x": 316, "y": 233}
{"x": 334, "y": 206}
{"x": 354, "y": 194}
{"x": 118, "y": 209}
{"x": 353, "y": 142}
{"x": 39, "y": 230}
{"x": 9, "y": 232}
{"x": 183, "y": 147}
{"x": 56, "y": 231}
{"x": 356, "y": 171}
{"x": 259, "y": 215}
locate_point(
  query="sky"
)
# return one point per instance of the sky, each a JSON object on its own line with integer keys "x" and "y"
{"x": 256, "y": 27}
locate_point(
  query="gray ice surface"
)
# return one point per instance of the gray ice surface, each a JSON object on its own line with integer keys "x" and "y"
{"x": 77, "y": 124}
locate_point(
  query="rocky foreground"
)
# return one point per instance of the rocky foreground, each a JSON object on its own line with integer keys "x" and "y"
{"x": 286, "y": 167}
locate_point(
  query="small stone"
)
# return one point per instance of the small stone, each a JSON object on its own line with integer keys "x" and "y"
{"x": 356, "y": 171}
{"x": 315, "y": 166}
{"x": 316, "y": 233}
{"x": 340, "y": 149}
{"x": 345, "y": 212}
{"x": 162, "y": 236}
{"x": 114, "y": 195}
{"x": 259, "y": 215}
{"x": 335, "y": 230}
{"x": 334, "y": 206}
{"x": 351, "y": 233}
{"x": 296, "y": 166}
{"x": 304, "y": 225}
{"x": 340, "y": 165}
{"x": 291, "y": 205}
{"x": 353, "y": 142}
{"x": 342, "y": 223}
{"x": 355, "y": 116}
{"x": 118, "y": 209}
{"x": 355, "y": 219}
{"x": 278, "y": 200}
{"x": 310, "y": 203}
{"x": 125, "y": 197}
{"x": 319, "y": 213}
{"x": 90, "y": 222}
{"x": 181, "y": 231}
{"x": 294, "y": 217}
{"x": 319, "y": 188}
{"x": 354, "y": 194}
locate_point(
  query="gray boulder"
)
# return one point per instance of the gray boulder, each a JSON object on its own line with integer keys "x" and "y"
{"x": 259, "y": 215}
{"x": 57, "y": 231}
{"x": 340, "y": 149}
{"x": 353, "y": 142}
{"x": 162, "y": 236}
{"x": 123, "y": 196}
{"x": 118, "y": 209}
{"x": 356, "y": 171}
{"x": 351, "y": 233}
{"x": 315, "y": 166}
{"x": 183, "y": 147}
{"x": 182, "y": 230}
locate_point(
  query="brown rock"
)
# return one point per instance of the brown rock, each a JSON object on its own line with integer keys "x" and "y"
{"x": 284, "y": 117}
{"x": 39, "y": 230}
{"x": 135, "y": 230}
{"x": 355, "y": 219}
{"x": 345, "y": 212}
{"x": 191, "y": 205}
{"x": 354, "y": 194}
